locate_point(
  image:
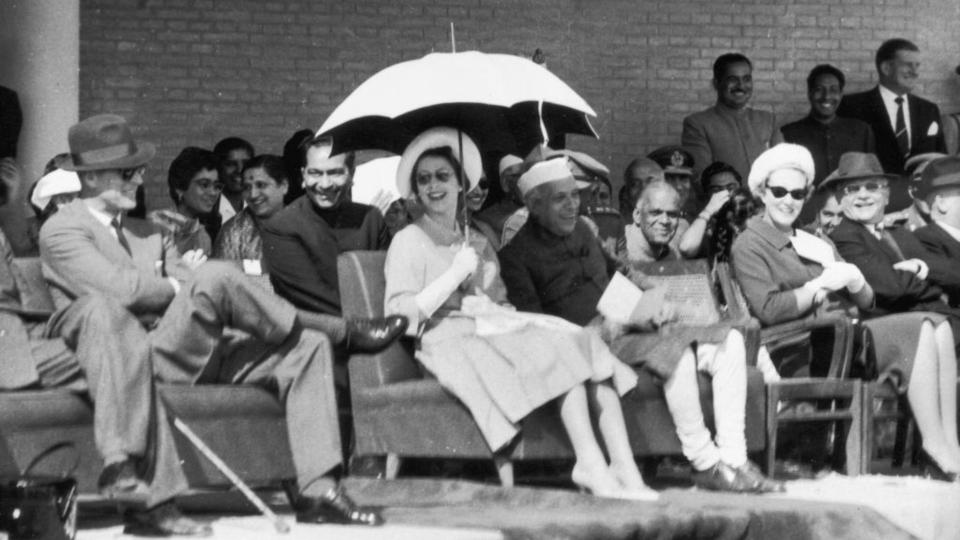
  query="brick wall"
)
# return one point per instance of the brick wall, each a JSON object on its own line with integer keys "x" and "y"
{"x": 189, "y": 72}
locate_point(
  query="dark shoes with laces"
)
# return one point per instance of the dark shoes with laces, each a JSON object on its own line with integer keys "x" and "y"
{"x": 744, "y": 479}
{"x": 374, "y": 335}
{"x": 334, "y": 507}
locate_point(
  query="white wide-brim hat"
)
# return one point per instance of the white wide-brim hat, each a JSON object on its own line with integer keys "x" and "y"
{"x": 459, "y": 142}
{"x": 56, "y": 182}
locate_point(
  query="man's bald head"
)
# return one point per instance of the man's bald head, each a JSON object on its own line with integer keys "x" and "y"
{"x": 658, "y": 213}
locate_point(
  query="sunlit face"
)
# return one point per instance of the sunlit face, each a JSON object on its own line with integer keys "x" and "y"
{"x": 477, "y": 195}
{"x": 437, "y": 187}
{"x": 830, "y": 215}
{"x": 557, "y": 209}
{"x": 864, "y": 200}
{"x": 201, "y": 194}
{"x": 735, "y": 87}
{"x": 116, "y": 189}
{"x": 900, "y": 73}
{"x": 722, "y": 181}
{"x": 658, "y": 214}
{"x": 779, "y": 197}
{"x": 231, "y": 169}
{"x": 326, "y": 179}
{"x": 825, "y": 96}
{"x": 946, "y": 206}
{"x": 261, "y": 193}
{"x": 681, "y": 183}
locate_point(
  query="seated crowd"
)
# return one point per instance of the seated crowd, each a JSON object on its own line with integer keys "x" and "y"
{"x": 236, "y": 282}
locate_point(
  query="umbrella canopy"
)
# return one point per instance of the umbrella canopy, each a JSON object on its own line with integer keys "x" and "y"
{"x": 497, "y": 99}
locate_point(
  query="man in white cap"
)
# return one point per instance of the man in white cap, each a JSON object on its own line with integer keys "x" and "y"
{"x": 555, "y": 265}
{"x": 186, "y": 306}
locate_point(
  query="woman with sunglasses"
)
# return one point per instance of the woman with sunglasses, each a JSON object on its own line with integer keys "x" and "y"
{"x": 788, "y": 274}
{"x": 500, "y": 364}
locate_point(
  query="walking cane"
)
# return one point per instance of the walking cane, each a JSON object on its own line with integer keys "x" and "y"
{"x": 280, "y": 525}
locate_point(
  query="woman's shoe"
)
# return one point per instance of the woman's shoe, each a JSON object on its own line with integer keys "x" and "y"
{"x": 933, "y": 470}
{"x": 602, "y": 483}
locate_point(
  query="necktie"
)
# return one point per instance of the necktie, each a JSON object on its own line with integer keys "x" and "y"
{"x": 891, "y": 243}
{"x": 115, "y": 223}
{"x": 903, "y": 140}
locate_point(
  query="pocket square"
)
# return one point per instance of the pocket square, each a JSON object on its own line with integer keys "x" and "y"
{"x": 933, "y": 129}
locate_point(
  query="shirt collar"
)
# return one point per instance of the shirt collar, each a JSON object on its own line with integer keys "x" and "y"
{"x": 768, "y": 232}
{"x": 101, "y": 216}
{"x": 889, "y": 97}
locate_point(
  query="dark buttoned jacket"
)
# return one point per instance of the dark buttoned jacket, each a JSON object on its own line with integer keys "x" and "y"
{"x": 827, "y": 142}
{"x": 940, "y": 243}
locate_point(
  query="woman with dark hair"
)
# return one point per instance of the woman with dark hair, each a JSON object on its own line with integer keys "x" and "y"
{"x": 717, "y": 181}
{"x": 447, "y": 282}
{"x": 264, "y": 187}
{"x": 788, "y": 274}
{"x": 195, "y": 188}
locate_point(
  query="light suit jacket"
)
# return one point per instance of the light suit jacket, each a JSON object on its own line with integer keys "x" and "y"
{"x": 82, "y": 256}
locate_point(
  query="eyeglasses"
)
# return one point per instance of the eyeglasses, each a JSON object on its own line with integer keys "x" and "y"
{"x": 443, "y": 175}
{"x": 128, "y": 174}
{"x": 871, "y": 187}
{"x": 781, "y": 192}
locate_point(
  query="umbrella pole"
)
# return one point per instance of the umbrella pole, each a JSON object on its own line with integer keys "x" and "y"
{"x": 453, "y": 38}
{"x": 463, "y": 188}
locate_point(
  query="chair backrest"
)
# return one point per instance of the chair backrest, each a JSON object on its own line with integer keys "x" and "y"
{"x": 362, "y": 287}
{"x": 34, "y": 294}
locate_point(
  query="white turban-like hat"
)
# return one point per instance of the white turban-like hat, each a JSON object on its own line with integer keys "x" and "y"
{"x": 781, "y": 156}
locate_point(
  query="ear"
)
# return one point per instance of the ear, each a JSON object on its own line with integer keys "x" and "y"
{"x": 636, "y": 214}
{"x": 284, "y": 186}
{"x": 885, "y": 69}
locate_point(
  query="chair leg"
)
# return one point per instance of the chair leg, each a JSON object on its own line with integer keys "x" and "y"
{"x": 392, "y": 467}
{"x": 867, "y": 399}
{"x": 855, "y": 433}
{"x": 900, "y": 442}
{"x": 504, "y": 470}
{"x": 773, "y": 402}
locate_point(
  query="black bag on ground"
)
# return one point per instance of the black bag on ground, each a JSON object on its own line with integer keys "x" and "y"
{"x": 39, "y": 507}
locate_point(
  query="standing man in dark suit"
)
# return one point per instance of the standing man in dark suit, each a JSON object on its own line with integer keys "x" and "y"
{"x": 206, "y": 323}
{"x": 940, "y": 187}
{"x": 903, "y": 124}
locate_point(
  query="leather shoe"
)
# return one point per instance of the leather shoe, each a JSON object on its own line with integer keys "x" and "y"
{"x": 933, "y": 470}
{"x": 120, "y": 481}
{"x": 761, "y": 481}
{"x": 724, "y": 477}
{"x": 336, "y": 507}
{"x": 165, "y": 519}
{"x": 374, "y": 335}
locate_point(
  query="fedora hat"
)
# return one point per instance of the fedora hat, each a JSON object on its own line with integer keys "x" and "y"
{"x": 105, "y": 142}
{"x": 939, "y": 174}
{"x": 855, "y": 166}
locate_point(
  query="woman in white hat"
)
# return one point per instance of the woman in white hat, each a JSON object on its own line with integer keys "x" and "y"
{"x": 500, "y": 363}
{"x": 788, "y": 274}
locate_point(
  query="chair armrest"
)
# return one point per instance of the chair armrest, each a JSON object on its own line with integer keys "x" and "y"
{"x": 798, "y": 331}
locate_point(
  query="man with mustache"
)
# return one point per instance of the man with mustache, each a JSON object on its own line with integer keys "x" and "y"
{"x": 730, "y": 131}
{"x": 301, "y": 244}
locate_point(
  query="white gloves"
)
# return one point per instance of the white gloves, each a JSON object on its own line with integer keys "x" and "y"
{"x": 436, "y": 293}
{"x": 837, "y": 276}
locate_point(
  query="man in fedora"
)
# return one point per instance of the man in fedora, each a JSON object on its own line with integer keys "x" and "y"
{"x": 203, "y": 322}
{"x": 902, "y": 273}
{"x": 940, "y": 188}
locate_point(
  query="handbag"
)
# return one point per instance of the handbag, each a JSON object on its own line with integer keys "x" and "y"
{"x": 40, "y": 507}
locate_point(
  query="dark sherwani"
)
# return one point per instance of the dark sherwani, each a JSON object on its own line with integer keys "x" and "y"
{"x": 301, "y": 244}
{"x": 827, "y": 142}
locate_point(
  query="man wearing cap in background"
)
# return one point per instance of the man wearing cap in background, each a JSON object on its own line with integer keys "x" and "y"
{"x": 940, "y": 188}
{"x": 900, "y": 270}
{"x": 730, "y": 131}
{"x": 497, "y": 214}
{"x": 90, "y": 248}
{"x": 918, "y": 213}
{"x": 677, "y": 165}
{"x": 555, "y": 265}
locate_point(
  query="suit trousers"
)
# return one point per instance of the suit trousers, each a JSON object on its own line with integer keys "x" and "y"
{"x": 222, "y": 328}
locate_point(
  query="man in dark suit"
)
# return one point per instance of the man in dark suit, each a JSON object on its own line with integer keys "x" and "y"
{"x": 206, "y": 323}
{"x": 903, "y": 274}
{"x": 903, "y": 124}
{"x": 940, "y": 188}
{"x": 302, "y": 241}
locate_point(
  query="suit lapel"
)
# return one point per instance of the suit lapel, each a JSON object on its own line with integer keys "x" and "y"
{"x": 950, "y": 243}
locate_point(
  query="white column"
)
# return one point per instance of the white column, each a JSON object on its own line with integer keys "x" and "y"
{"x": 40, "y": 60}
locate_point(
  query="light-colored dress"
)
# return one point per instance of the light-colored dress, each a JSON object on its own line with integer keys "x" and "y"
{"x": 504, "y": 374}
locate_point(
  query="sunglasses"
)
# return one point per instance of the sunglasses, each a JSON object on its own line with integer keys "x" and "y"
{"x": 781, "y": 192}
{"x": 871, "y": 187}
{"x": 128, "y": 174}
